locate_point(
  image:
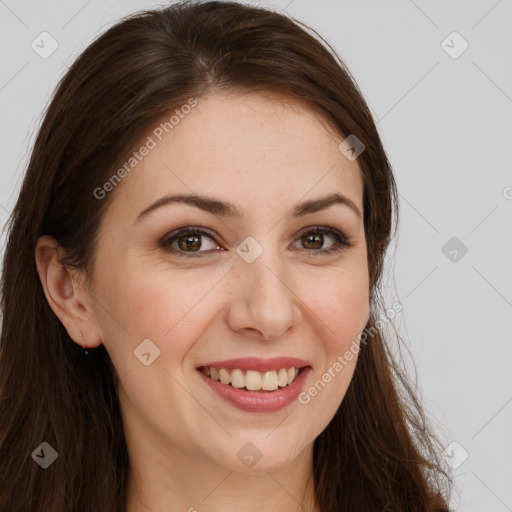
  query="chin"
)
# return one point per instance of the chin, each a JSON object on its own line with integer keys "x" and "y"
{"x": 253, "y": 455}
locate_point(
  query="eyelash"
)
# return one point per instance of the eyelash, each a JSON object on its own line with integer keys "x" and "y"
{"x": 342, "y": 241}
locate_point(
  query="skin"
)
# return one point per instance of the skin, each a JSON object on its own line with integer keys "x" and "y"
{"x": 183, "y": 439}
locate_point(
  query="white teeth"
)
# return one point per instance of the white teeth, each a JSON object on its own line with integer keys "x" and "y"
{"x": 224, "y": 376}
{"x": 282, "y": 378}
{"x": 237, "y": 378}
{"x": 269, "y": 381}
{"x": 251, "y": 379}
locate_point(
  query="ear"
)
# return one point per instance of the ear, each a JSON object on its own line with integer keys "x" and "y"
{"x": 66, "y": 294}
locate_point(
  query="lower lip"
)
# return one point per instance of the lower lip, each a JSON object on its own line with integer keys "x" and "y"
{"x": 251, "y": 401}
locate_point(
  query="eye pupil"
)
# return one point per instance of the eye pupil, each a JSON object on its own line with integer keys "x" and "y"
{"x": 189, "y": 242}
{"x": 316, "y": 240}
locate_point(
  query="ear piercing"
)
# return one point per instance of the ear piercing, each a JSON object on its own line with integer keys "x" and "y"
{"x": 81, "y": 334}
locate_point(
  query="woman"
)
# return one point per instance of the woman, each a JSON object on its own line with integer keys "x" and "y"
{"x": 191, "y": 284}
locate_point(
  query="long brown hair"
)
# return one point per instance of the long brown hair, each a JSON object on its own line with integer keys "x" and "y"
{"x": 377, "y": 453}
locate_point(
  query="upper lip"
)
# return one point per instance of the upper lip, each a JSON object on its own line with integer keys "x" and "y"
{"x": 258, "y": 364}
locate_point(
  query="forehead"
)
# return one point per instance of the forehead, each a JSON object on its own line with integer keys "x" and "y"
{"x": 253, "y": 149}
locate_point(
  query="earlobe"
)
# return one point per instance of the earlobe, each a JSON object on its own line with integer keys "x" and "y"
{"x": 68, "y": 300}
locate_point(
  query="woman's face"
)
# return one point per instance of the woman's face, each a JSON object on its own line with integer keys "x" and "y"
{"x": 256, "y": 285}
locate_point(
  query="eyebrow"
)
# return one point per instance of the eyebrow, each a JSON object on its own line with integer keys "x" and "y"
{"x": 225, "y": 209}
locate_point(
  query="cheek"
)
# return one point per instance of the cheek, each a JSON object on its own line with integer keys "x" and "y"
{"x": 165, "y": 304}
{"x": 339, "y": 310}
{"x": 158, "y": 304}
{"x": 341, "y": 307}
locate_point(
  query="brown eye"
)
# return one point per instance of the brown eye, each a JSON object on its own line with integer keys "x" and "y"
{"x": 192, "y": 242}
{"x": 312, "y": 241}
{"x": 188, "y": 242}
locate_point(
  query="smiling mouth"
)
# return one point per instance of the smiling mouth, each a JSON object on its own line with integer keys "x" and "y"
{"x": 252, "y": 380}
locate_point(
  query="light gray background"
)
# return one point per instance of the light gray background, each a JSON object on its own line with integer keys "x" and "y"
{"x": 446, "y": 124}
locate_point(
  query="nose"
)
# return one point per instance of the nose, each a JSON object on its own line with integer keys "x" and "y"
{"x": 264, "y": 303}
